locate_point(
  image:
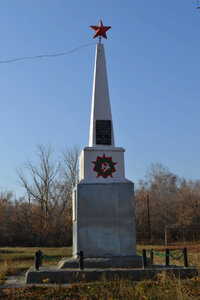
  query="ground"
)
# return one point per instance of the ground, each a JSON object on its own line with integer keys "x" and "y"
{"x": 16, "y": 260}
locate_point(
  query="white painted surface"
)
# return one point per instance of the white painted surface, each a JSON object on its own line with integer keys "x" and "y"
{"x": 104, "y": 219}
{"x": 90, "y": 154}
{"x": 105, "y": 225}
{"x": 100, "y": 98}
{"x": 74, "y": 205}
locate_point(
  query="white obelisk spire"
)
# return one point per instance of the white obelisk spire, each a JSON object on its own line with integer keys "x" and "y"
{"x": 101, "y": 161}
{"x": 100, "y": 98}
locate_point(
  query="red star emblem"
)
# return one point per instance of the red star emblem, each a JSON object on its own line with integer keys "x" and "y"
{"x": 100, "y": 30}
{"x": 104, "y": 166}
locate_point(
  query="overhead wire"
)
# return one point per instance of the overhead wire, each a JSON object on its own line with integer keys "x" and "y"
{"x": 8, "y": 178}
{"x": 45, "y": 55}
{"x": 11, "y": 180}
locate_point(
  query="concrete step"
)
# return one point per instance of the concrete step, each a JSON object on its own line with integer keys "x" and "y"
{"x": 103, "y": 262}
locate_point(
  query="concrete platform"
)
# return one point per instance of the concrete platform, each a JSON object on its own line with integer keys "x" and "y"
{"x": 56, "y": 275}
{"x": 104, "y": 262}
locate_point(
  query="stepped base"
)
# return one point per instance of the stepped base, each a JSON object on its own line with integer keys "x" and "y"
{"x": 103, "y": 262}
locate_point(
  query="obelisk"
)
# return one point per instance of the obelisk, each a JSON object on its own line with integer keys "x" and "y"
{"x": 103, "y": 205}
{"x": 103, "y": 200}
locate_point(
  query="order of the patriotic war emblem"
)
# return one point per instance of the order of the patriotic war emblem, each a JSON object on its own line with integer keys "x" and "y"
{"x": 104, "y": 166}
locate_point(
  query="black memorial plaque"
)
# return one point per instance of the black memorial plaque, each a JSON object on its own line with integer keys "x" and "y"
{"x": 103, "y": 132}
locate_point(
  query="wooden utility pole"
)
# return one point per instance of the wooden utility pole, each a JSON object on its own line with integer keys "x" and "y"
{"x": 148, "y": 218}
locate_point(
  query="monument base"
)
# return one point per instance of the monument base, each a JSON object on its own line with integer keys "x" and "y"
{"x": 103, "y": 262}
{"x": 55, "y": 275}
{"x": 104, "y": 219}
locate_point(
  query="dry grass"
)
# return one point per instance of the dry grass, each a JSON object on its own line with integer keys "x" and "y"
{"x": 17, "y": 259}
{"x": 3, "y": 271}
{"x": 163, "y": 287}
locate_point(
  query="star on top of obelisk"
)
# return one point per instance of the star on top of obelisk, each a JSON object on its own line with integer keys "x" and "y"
{"x": 101, "y": 118}
{"x": 100, "y": 30}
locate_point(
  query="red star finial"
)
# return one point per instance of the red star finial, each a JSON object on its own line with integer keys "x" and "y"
{"x": 100, "y": 30}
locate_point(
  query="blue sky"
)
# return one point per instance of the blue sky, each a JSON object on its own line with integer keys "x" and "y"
{"x": 153, "y": 64}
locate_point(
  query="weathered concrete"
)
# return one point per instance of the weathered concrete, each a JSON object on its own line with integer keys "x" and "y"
{"x": 103, "y": 263}
{"x": 88, "y": 275}
{"x": 104, "y": 220}
{"x": 18, "y": 281}
{"x": 15, "y": 281}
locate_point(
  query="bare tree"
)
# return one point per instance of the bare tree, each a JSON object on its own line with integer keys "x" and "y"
{"x": 49, "y": 183}
{"x": 70, "y": 165}
{"x": 39, "y": 180}
{"x": 163, "y": 188}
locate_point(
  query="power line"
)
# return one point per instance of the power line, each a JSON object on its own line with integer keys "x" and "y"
{"x": 8, "y": 178}
{"x": 45, "y": 55}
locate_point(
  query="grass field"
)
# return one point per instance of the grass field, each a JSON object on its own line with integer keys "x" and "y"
{"x": 15, "y": 260}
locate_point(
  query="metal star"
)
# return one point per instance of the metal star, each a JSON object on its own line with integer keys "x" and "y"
{"x": 100, "y": 30}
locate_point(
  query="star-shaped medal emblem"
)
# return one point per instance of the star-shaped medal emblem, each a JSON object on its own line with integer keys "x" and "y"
{"x": 100, "y": 30}
{"x": 104, "y": 166}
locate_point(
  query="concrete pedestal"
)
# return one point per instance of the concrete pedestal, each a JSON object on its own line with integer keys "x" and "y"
{"x": 104, "y": 219}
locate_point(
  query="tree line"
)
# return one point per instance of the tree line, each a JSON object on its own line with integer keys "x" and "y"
{"x": 165, "y": 201}
{"x": 43, "y": 217}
